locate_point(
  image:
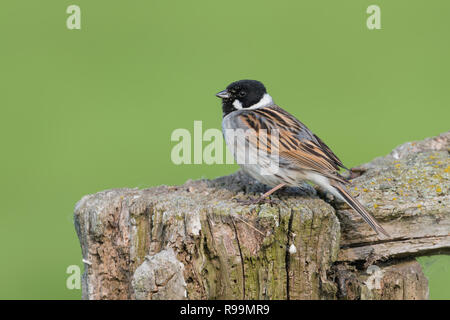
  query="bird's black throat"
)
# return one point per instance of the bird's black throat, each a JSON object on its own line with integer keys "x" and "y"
{"x": 227, "y": 107}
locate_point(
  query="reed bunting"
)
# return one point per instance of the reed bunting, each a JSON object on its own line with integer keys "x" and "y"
{"x": 276, "y": 149}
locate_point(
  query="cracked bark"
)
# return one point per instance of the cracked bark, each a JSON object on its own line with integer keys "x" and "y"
{"x": 242, "y": 259}
{"x": 288, "y": 256}
{"x": 194, "y": 241}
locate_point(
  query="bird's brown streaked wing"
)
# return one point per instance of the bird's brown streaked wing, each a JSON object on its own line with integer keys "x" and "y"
{"x": 297, "y": 143}
{"x": 251, "y": 125}
{"x": 308, "y": 156}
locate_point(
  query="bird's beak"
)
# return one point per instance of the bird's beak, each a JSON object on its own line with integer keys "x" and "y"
{"x": 223, "y": 94}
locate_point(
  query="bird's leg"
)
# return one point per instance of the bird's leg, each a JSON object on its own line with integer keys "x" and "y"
{"x": 268, "y": 193}
{"x": 264, "y": 196}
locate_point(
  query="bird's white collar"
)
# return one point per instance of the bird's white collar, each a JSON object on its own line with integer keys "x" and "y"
{"x": 265, "y": 101}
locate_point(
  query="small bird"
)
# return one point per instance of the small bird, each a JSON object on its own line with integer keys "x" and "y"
{"x": 270, "y": 137}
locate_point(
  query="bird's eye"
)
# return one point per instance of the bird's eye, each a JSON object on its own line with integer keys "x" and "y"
{"x": 242, "y": 93}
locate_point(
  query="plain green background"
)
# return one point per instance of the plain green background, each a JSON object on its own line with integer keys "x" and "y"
{"x": 92, "y": 109}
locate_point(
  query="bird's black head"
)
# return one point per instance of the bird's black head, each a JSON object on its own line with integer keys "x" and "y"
{"x": 244, "y": 94}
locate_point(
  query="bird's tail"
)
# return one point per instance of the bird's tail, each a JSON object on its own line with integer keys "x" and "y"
{"x": 358, "y": 207}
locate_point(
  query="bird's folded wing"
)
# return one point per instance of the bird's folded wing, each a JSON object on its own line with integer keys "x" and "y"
{"x": 296, "y": 143}
{"x": 308, "y": 156}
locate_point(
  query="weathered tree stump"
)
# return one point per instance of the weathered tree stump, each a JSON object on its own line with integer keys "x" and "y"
{"x": 196, "y": 242}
